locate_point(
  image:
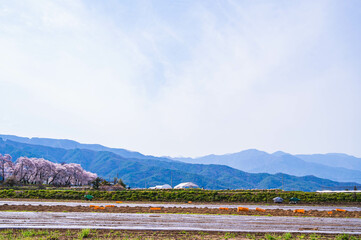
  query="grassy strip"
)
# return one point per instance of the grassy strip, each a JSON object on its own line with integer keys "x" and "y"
{"x": 185, "y": 195}
{"x": 152, "y": 235}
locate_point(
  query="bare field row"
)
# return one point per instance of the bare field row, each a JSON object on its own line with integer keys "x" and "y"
{"x": 348, "y": 204}
{"x": 183, "y": 210}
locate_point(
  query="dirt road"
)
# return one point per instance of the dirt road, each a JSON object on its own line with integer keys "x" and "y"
{"x": 178, "y": 222}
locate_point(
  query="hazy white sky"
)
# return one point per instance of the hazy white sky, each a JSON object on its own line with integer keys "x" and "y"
{"x": 184, "y": 78}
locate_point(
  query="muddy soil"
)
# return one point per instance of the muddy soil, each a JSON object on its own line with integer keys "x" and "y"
{"x": 181, "y": 210}
{"x": 338, "y": 204}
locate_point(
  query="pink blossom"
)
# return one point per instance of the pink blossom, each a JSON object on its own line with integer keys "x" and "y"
{"x": 39, "y": 171}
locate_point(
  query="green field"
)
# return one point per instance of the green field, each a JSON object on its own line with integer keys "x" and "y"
{"x": 246, "y": 196}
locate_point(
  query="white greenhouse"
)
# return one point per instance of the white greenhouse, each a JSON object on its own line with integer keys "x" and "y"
{"x": 186, "y": 185}
{"x": 165, "y": 186}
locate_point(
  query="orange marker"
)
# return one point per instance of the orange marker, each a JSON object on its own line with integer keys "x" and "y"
{"x": 299, "y": 210}
{"x": 260, "y": 210}
{"x": 223, "y": 208}
{"x": 242, "y": 209}
{"x": 155, "y": 208}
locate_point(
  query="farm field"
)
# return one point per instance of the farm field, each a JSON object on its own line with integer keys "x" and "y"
{"x": 181, "y": 214}
{"x": 75, "y": 203}
{"x": 174, "y": 209}
{"x": 180, "y": 222}
{"x": 209, "y": 196}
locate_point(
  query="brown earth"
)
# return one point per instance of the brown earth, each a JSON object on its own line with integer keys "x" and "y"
{"x": 339, "y": 204}
{"x": 179, "y": 210}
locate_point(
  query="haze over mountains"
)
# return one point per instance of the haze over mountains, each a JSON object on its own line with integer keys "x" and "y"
{"x": 70, "y": 144}
{"x": 334, "y": 166}
{"x": 139, "y": 170}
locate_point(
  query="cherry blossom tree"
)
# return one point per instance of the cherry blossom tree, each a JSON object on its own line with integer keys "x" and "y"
{"x": 6, "y": 166}
{"x": 23, "y": 170}
{"x": 42, "y": 170}
{"x": 58, "y": 174}
{"x": 39, "y": 171}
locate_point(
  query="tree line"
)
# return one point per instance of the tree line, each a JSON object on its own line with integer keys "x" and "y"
{"x": 40, "y": 171}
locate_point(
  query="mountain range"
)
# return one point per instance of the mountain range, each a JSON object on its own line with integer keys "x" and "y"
{"x": 70, "y": 144}
{"x": 334, "y": 166}
{"x": 139, "y": 171}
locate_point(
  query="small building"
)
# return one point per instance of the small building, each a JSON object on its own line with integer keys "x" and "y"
{"x": 165, "y": 186}
{"x": 186, "y": 185}
{"x": 339, "y": 191}
{"x": 278, "y": 200}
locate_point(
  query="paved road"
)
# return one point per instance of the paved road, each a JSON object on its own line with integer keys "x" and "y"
{"x": 286, "y": 207}
{"x": 178, "y": 222}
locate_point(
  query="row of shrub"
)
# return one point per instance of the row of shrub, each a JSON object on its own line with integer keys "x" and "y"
{"x": 184, "y": 195}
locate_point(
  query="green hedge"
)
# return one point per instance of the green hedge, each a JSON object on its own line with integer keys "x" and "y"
{"x": 185, "y": 195}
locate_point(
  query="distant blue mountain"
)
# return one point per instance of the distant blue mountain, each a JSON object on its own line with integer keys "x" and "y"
{"x": 333, "y": 159}
{"x": 151, "y": 171}
{"x": 337, "y": 167}
{"x": 70, "y": 144}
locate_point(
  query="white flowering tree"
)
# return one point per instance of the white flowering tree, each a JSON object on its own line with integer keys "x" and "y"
{"x": 39, "y": 171}
{"x": 6, "y": 166}
{"x": 24, "y": 169}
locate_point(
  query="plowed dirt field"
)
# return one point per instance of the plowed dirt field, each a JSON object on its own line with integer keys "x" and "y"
{"x": 182, "y": 210}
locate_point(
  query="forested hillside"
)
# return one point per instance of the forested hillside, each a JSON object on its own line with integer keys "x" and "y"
{"x": 149, "y": 172}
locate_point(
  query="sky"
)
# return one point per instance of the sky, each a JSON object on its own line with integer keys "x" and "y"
{"x": 184, "y": 78}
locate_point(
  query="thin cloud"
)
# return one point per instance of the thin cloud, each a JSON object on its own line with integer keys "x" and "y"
{"x": 182, "y": 79}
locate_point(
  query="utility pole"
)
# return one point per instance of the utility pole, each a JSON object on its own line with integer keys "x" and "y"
{"x": 171, "y": 179}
